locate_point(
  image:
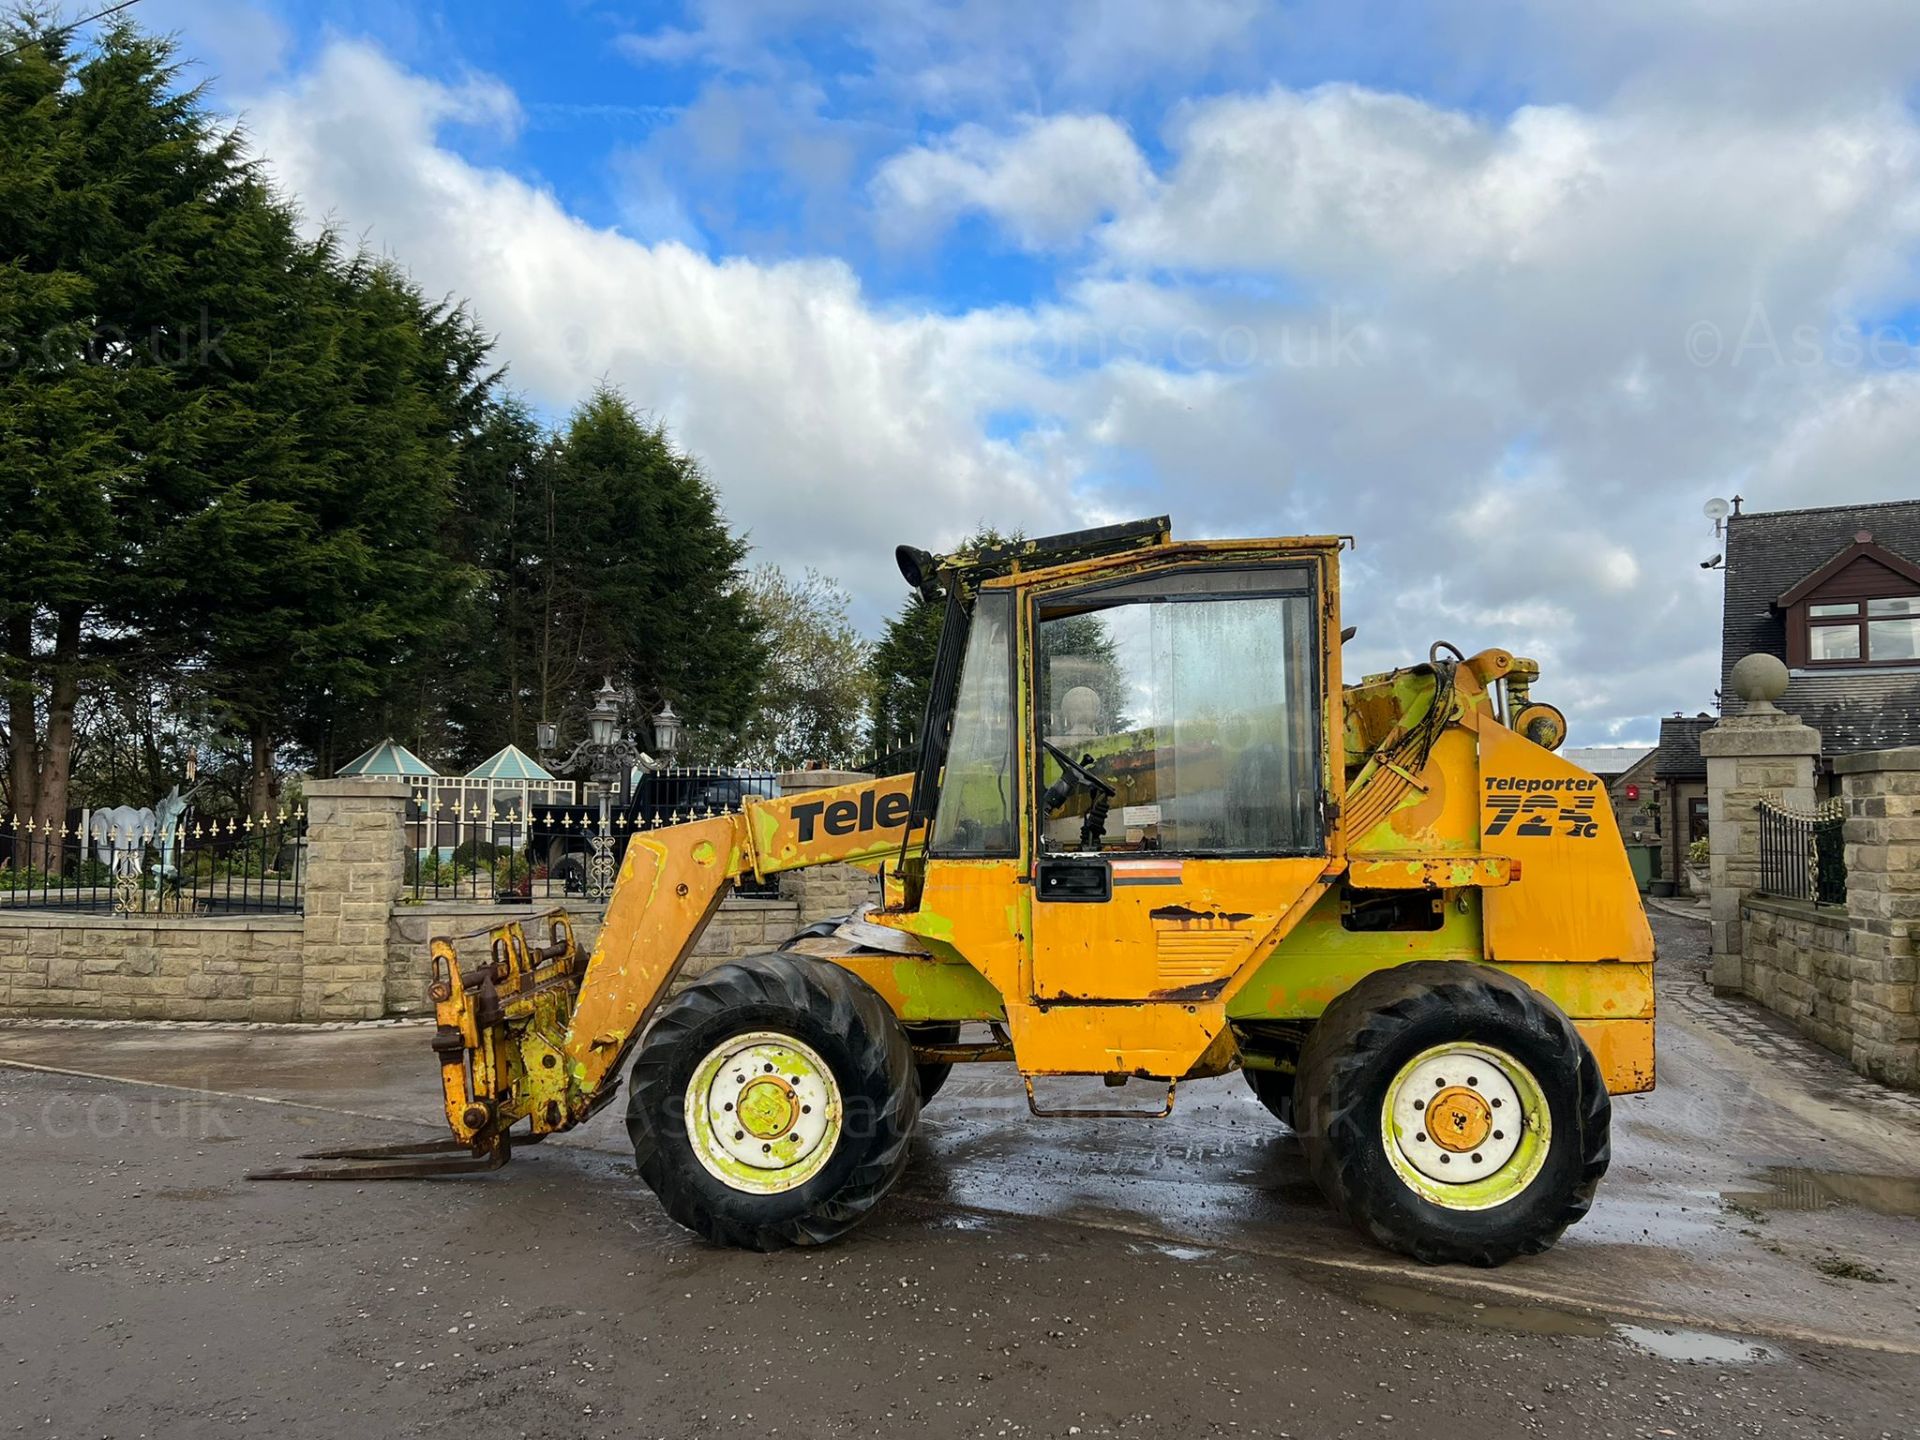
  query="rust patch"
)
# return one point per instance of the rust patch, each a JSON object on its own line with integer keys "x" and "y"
{"x": 1185, "y": 915}
{"x": 1205, "y": 990}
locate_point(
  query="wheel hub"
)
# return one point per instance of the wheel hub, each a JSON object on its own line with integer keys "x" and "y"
{"x": 1459, "y": 1119}
{"x": 767, "y": 1107}
{"x": 763, "y": 1112}
{"x": 1465, "y": 1125}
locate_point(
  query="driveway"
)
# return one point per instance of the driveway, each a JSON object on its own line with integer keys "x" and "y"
{"x": 1752, "y": 1265}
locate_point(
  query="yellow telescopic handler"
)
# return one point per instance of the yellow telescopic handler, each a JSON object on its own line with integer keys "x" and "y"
{"x": 1152, "y": 835}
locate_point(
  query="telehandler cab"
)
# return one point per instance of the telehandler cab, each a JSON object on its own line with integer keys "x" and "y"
{"x": 1151, "y": 834}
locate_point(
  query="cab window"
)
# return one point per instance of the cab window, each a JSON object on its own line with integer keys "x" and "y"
{"x": 1195, "y": 695}
{"x": 978, "y": 791}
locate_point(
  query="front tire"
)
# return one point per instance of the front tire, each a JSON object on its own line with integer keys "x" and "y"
{"x": 1273, "y": 1089}
{"x": 933, "y": 1075}
{"x": 1453, "y": 1113}
{"x": 772, "y": 1102}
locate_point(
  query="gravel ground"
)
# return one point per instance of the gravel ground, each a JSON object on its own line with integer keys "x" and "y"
{"x": 1008, "y": 1290}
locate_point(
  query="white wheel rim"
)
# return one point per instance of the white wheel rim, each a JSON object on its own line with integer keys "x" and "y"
{"x": 763, "y": 1112}
{"x": 1466, "y": 1126}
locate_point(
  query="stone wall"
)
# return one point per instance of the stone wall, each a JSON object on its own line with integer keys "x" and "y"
{"x": 358, "y": 952}
{"x": 1844, "y": 975}
{"x": 1762, "y": 753}
{"x": 356, "y": 868}
{"x": 1797, "y": 960}
{"x": 1881, "y": 790}
{"x": 106, "y": 967}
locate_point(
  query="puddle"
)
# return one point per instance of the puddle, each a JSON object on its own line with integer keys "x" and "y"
{"x": 1527, "y": 1319}
{"x": 1696, "y": 1347}
{"x": 1793, "y": 1188}
{"x": 960, "y": 1220}
{"x": 1171, "y": 1251}
{"x": 1692, "y": 1346}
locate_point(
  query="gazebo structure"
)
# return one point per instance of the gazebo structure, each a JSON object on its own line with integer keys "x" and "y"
{"x": 497, "y": 792}
{"x": 511, "y": 779}
{"x": 389, "y": 760}
{"x": 491, "y": 801}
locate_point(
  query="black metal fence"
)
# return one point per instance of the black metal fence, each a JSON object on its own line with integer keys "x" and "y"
{"x": 1803, "y": 856}
{"x": 688, "y": 791}
{"x": 903, "y": 761}
{"x": 112, "y": 865}
{"x": 537, "y": 853}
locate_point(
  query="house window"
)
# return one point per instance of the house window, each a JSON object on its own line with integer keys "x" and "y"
{"x": 1864, "y": 632}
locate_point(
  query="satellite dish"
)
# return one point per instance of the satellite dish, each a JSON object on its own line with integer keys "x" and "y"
{"x": 1715, "y": 510}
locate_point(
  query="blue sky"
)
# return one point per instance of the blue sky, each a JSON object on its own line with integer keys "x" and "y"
{"x": 1476, "y": 283}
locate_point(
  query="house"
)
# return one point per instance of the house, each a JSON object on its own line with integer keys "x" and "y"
{"x": 1627, "y": 771}
{"x": 1835, "y": 593}
{"x": 1681, "y": 775}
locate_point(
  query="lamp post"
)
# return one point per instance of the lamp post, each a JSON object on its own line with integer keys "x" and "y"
{"x": 610, "y": 755}
{"x": 666, "y": 731}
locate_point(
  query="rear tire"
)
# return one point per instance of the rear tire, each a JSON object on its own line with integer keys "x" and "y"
{"x": 772, "y": 1102}
{"x": 1445, "y": 1046}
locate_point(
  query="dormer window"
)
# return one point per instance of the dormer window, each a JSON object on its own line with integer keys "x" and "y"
{"x": 1860, "y": 608}
{"x": 1864, "y": 632}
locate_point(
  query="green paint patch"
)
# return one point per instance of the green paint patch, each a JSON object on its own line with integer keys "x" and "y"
{"x": 932, "y": 925}
{"x": 703, "y": 853}
{"x": 945, "y": 990}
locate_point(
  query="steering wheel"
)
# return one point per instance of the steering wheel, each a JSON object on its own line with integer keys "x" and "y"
{"x": 1079, "y": 772}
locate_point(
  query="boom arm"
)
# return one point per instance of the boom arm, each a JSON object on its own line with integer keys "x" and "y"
{"x": 536, "y": 1034}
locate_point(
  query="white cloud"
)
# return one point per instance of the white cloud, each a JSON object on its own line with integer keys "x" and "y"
{"x": 1349, "y": 184}
{"x": 1475, "y": 343}
{"x": 833, "y": 430}
{"x": 1767, "y": 57}
{"x": 1861, "y": 444}
{"x": 1047, "y": 183}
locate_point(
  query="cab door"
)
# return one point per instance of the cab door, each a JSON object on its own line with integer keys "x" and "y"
{"x": 1195, "y": 696}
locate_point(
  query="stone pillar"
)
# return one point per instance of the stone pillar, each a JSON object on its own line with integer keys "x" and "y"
{"x": 822, "y": 891}
{"x": 356, "y": 866}
{"x": 1761, "y": 753}
{"x": 1882, "y": 790}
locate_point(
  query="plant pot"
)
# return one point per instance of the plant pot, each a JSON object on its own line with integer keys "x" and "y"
{"x": 1699, "y": 881}
{"x": 1661, "y": 889}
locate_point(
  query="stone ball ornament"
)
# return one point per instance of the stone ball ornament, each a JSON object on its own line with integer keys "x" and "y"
{"x": 1080, "y": 710}
{"x": 1760, "y": 679}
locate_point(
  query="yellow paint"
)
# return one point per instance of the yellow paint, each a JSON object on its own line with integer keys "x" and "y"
{"x": 1458, "y": 1120}
{"x": 1624, "y": 1050}
{"x": 1154, "y": 938}
{"x": 1516, "y": 849}
{"x": 1577, "y": 899}
{"x": 1428, "y": 872}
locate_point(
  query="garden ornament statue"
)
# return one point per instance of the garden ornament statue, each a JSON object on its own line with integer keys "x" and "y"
{"x": 169, "y": 825}
{"x": 120, "y": 835}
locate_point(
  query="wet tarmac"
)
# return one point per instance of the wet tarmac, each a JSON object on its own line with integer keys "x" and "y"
{"x": 1753, "y": 1261}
